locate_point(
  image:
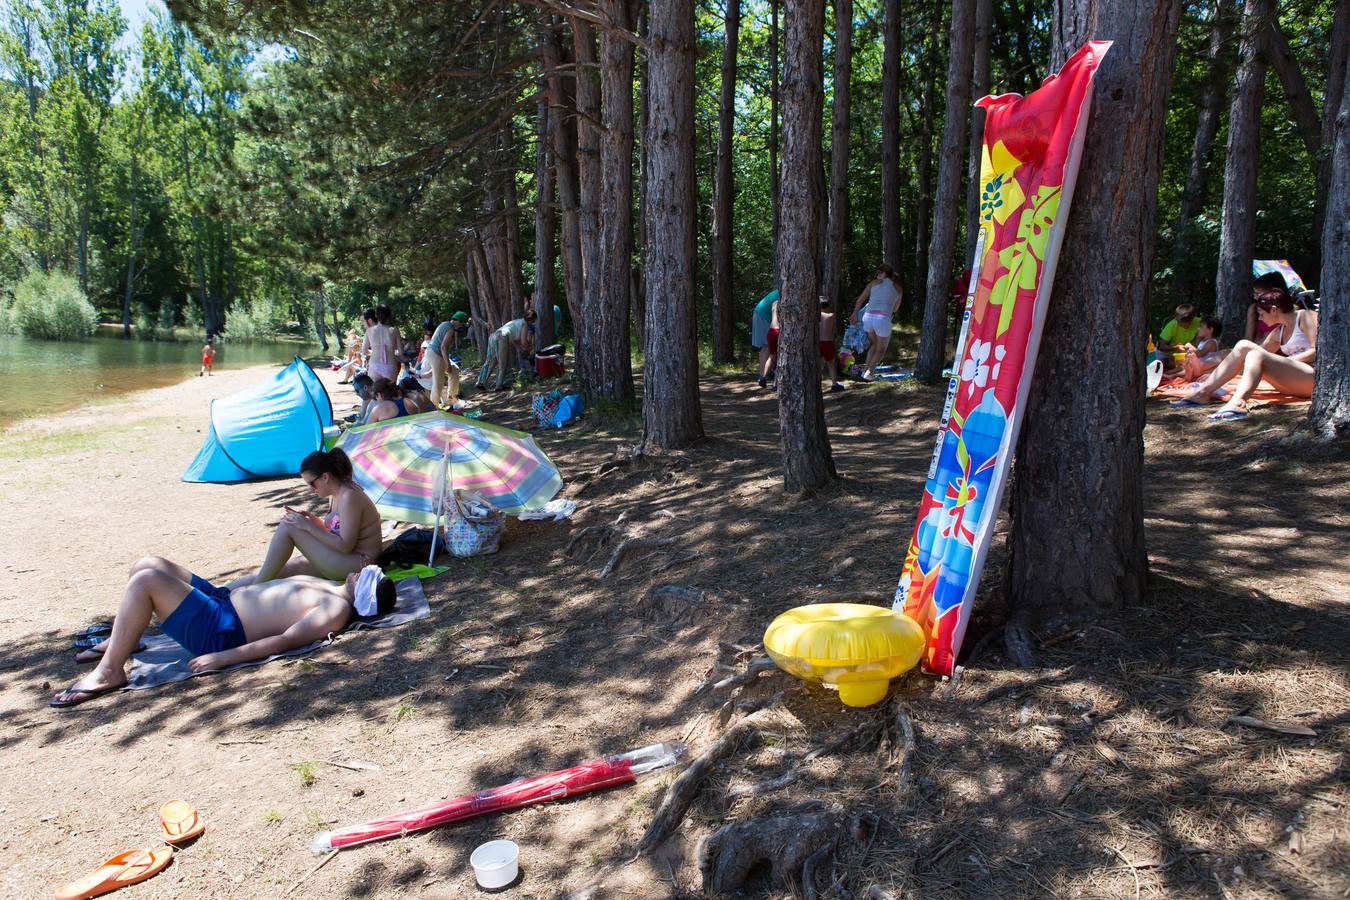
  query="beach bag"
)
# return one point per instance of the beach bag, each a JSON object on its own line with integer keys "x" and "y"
{"x": 855, "y": 338}
{"x": 569, "y": 408}
{"x": 473, "y": 525}
{"x": 543, "y": 406}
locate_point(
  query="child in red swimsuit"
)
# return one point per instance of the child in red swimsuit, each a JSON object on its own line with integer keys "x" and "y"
{"x": 208, "y": 355}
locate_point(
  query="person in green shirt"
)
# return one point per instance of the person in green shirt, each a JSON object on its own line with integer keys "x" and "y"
{"x": 1175, "y": 335}
{"x": 760, "y": 323}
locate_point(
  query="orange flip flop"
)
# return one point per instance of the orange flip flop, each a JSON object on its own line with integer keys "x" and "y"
{"x": 180, "y": 822}
{"x": 120, "y": 871}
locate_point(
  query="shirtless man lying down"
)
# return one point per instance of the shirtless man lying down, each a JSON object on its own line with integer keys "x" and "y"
{"x": 222, "y": 627}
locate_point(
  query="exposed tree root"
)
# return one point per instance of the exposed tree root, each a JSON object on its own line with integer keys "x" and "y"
{"x": 629, "y": 546}
{"x": 1017, "y": 639}
{"x": 905, "y": 727}
{"x": 685, "y": 788}
{"x": 791, "y": 845}
{"x": 672, "y": 604}
{"x": 594, "y": 536}
{"x": 769, "y": 785}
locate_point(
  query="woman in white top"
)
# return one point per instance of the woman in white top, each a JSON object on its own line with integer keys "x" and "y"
{"x": 881, "y": 296}
{"x": 382, "y": 343}
{"x": 1284, "y": 358}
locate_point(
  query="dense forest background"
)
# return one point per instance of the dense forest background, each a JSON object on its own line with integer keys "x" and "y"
{"x": 385, "y": 151}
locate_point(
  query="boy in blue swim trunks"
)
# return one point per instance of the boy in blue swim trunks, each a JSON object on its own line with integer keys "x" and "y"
{"x": 223, "y": 627}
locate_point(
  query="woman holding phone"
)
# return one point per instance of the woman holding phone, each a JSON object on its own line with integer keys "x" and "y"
{"x": 334, "y": 546}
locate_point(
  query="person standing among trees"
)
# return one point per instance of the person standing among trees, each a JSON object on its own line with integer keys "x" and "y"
{"x": 828, "y": 351}
{"x": 443, "y": 370}
{"x": 381, "y": 343}
{"x": 881, "y": 296}
{"x": 760, "y": 323}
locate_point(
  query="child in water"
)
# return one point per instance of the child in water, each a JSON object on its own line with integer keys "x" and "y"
{"x": 208, "y": 356}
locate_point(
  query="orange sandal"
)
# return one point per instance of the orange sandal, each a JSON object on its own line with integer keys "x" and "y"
{"x": 180, "y": 822}
{"x": 123, "y": 869}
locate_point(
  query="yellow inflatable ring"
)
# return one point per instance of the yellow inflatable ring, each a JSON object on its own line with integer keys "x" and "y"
{"x": 854, "y": 647}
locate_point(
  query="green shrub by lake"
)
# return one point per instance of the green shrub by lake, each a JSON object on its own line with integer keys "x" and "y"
{"x": 52, "y": 307}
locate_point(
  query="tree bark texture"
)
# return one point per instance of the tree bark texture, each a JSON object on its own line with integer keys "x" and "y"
{"x": 1301, "y": 105}
{"x": 588, "y": 157}
{"x": 723, "y": 317}
{"x": 979, "y": 86}
{"x": 1237, "y": 239}
{"x": 671, "y": 417}
{"x": 807, "y": 462}
{"x": 1329, "y": 416}
{"x": 604, "y": 365}
{"x": 1077, "y": 541}
{"x": 564, "y": 156}
{"x": 544, "y": 229}
{"x": 775, "y": 171}
{"x": 477, "y": 310}
{"x": 837, "y": 226}
{"x": 941, "y": 247}
{"x": 637, "y": 290}
{"x": 892, "y": 38}
{"x": 924, "y": 205}
{"x": 515, "y": 291}
{"x": 1338, "y": 57}
{"x": 1222, "y": 22}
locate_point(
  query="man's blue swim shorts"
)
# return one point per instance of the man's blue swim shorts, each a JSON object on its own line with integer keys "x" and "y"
{"x": 205, "y": 622}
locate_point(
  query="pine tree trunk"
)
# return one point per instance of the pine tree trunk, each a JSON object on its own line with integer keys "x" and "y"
{"x": 775, "y": 168}
{"x": 837, "y": 226}
{"x": 637, "y": 295}
{"x": 337, "y": 326}
{"x": 543, "y": 228}
{"x": 807, "y": 462}
{"x": 924, "y": 213}
{"x": 565, "y": 172}
{"x": 1233, "y": 288}
{"x": 1329, "y": 416}
{"x": 1337, "y": 60}
{"x": 472, "y": 284}
{"x": 1077, "y": 540}
{"x": 133, "y": 234}
{"x": 511, "y": 220}
{"x": 941, "y": 248}
{"x": 723, "y": 318}
{"x": 671, "y": 418}
{"x": 892, "y": 38}
{"x": 1222, "y": 23}
{"x": 321, "y": 327}
{"x": 588, "y": 164}
{"x": 604, "y": 365}
{"x": 979, "y": 86}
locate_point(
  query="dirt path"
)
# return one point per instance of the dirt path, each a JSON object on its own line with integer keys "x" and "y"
{"x": 1108, "y": 771}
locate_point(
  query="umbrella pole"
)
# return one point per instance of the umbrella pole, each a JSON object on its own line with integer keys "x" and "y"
{"x": 440, "y": 503}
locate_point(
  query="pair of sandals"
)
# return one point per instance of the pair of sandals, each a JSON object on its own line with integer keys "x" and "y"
{"x": 178, "y": 822}
{"x": 1223, "y": 415}
{"x": 88, "y": 645}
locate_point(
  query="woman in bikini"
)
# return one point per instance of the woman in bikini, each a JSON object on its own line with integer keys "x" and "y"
{"x": 382, "y": 344}
{"x": 333, "y": 546}
{"x": 1284, "y": 358}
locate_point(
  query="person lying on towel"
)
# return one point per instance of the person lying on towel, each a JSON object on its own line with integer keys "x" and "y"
{"x": 223, "y": 627}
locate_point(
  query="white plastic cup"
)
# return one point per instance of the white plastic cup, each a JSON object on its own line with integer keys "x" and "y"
{"x": 495, "y": 864}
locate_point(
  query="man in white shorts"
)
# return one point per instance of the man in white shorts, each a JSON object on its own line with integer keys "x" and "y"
{"x": 874, "y": 308}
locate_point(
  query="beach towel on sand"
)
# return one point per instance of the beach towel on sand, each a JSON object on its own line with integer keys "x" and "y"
{"x": 1265, "y": 392}
{"x": 164, "y": 660}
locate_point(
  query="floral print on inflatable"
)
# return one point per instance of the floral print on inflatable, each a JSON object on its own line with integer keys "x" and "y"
{"x": 1028, "y": 165}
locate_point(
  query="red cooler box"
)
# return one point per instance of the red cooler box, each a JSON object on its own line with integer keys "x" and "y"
{"x": 548, "y": 366}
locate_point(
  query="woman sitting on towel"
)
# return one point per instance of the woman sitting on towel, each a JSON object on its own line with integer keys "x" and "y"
{"x": 1284, "y": 358}
{"x": 333, "y": 546}
{"x": 390, "y": 402}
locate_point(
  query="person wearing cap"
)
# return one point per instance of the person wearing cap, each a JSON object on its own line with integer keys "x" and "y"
{"x": 221, "y": 626}
{"x": 459, "y": 328}
{"x": 444, "y": 370}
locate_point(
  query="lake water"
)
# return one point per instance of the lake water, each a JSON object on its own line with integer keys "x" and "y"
{"x": 42, "y": 377}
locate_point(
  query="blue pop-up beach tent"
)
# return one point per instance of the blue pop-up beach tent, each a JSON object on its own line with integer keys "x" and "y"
{"x": 266, "y": 430}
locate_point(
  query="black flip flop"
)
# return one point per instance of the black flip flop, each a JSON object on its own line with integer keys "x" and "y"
{"x": 99, "y": 655}
{"x": 74, "y": 696}
{"x": 98, "y": 631}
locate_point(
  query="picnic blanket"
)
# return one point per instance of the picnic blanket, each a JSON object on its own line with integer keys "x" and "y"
{"x": 1265, "y": 392}
{"x": 164, "y": 660}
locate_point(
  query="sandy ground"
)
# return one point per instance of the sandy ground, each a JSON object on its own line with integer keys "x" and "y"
{"x": 1109, "y": 770}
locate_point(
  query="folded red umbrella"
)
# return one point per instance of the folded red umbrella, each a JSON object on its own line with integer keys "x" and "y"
{"x": 589, "y": 776}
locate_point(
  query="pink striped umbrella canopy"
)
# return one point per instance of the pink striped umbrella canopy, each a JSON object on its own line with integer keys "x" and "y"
{"x": 396, "y": 462}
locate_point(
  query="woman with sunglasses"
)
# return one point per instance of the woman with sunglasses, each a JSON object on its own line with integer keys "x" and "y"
{"x": 1284, "y": 358}
{"x": 333, "y": 546}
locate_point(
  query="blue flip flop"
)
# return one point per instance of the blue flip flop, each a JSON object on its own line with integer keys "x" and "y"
{"x": 1228, "y": 415}
{"x": 1185, "y": 403}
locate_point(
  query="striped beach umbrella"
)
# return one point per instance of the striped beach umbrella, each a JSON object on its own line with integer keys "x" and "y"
{"x": 397, "y": 461}
{"x": 1291, "y": 280}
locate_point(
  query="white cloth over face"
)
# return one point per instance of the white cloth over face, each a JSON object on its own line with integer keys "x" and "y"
{"x": 366, "y": 583}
